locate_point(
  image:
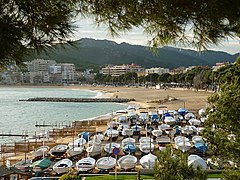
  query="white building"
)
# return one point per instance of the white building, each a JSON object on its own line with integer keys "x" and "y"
{"x": 39, "y": 65}
{"x": 55, "y": 69}
{"x": 118, "y": 70}
{"x": 68, "y": 71}
{"x": 157, "y": 70}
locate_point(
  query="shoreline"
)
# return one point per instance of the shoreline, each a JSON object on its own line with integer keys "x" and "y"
{"x": 145, "y": 98}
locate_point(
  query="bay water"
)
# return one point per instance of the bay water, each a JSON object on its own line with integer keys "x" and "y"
{"x": 20, "y": 117}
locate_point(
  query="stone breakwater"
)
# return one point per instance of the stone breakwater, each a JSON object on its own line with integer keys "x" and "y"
{"x": 49, "y": 99}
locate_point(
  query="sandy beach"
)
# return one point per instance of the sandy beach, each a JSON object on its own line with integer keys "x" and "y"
{"x": 145, "y": 97}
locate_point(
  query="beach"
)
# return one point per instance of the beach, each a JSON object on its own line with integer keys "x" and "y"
{"x": 144, "y": 97}
{"x": 147, "y": 97}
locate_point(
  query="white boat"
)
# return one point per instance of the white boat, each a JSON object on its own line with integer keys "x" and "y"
{"x": 145, "y": 140}
{"x": 128, "y": 140}
{"x": 169, "y": 120}
{"x": 85, "y": 164}
{"x": 74, "y": 151}
{"x": 112, "y": 124}
{"x": 157, "y": 132}
{"x": 112, "y": 133}
{"x": 146, "y": 147}
{"x": 187, "y": 130}
{"x": 189, "y": 116}
{"x": 62, "y": 166}
{"x": 127, "y": 162}
{"x": 148, "y": 161}
{"x": 127, "y": 132}
{"x": 196, "y": 161}
{"x": 136, "y": 128}
{"x": 23, "y": 165}
{"x": 106, "y": 163}
{"x": 194, "y": 122}
{"x": 163, "y": 126}
{"x": 180, "y": 138}
{"x": 94, "y": 142}
{"x": 110, "y": 146}
{"x": 98, "y": 137}
{"x": 197, "y": 139}
{"x": 77, "y": 142}
{"x": 58, "y": 150}
{"x": 94, "y": 150}
{"x": 40, "y": 151}
{"x": 183, "y": 145}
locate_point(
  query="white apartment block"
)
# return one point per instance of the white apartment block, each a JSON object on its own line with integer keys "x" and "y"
{"x": 45, "y": 71}
{"x": 39, "y": 65}
{"x": 68, "y": 71}
{"x": 118, "y": 70}
{"x": 157, "y": 70}
{"x": 55, "y": 69}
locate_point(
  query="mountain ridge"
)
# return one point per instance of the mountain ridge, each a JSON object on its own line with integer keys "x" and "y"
{"x": 91, "y": 52}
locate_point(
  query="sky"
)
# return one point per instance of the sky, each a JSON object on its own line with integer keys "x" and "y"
{"x": 87, "y": 29}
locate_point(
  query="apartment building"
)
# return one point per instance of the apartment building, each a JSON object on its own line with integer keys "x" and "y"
{"x": 157, "y": 70}
{"x": 118, "y": 70}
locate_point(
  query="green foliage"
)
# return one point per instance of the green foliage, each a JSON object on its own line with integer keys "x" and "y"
{"x": 172, "y": 165}
{"x": 69, "y": 177}
{"x": 222, "y": 126}
{"x": 231, "y": 174}
{"x": 32, "y": 24}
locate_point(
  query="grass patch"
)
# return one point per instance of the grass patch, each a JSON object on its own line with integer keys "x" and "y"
{"x": 215, "y": 175}
{"x": 119, "y": 177}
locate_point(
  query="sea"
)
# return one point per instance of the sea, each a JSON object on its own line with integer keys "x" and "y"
{"x": 20, "y": 117}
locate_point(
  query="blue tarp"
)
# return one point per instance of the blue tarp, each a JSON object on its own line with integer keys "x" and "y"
{"x": 85, "y": 135}
{"x": 129, "y": 148}
{"x": 201, "y": 147}
{"x": 182, "y": 111}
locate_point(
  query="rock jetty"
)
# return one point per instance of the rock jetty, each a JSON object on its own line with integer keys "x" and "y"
{"x": 49, "y": 99}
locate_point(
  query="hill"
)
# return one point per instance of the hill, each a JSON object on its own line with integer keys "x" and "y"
{"x": 89, "y": 52}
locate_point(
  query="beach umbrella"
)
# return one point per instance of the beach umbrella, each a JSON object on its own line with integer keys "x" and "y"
{"x": 196, "y": 161}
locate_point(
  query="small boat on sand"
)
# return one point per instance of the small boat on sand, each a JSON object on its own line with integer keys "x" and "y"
{"x": 62, "y": 166}
{"x": 74, "y": 151}
{"x": 130, "y": 148}
{"x": 85, "y": 164}
{"x": 157, "y": 132}
{"x": 128, "y": 140}
{"x": 40, "y": 151}
{"x": 127, "y": 162}
{"x": 146, "y": 147}
{"x": 94, "y": 150}
{"x": 23, "y": 165}
{"x": 148, "y": 161}
{"x": 41, "y": 165}
{"x": 58, "y": 150}
{"x": 106, "y": 163}
{"x": 110, "y": 146}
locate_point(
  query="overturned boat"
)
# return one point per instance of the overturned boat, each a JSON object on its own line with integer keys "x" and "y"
{"x": 106, "y": 163}
{"x": 40, "y": 152}
{"x": 85, "y": 164}
{"x": 62, "y": 166}
{"x": 148, "y": 161}
{"x": 127, "y": 162}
